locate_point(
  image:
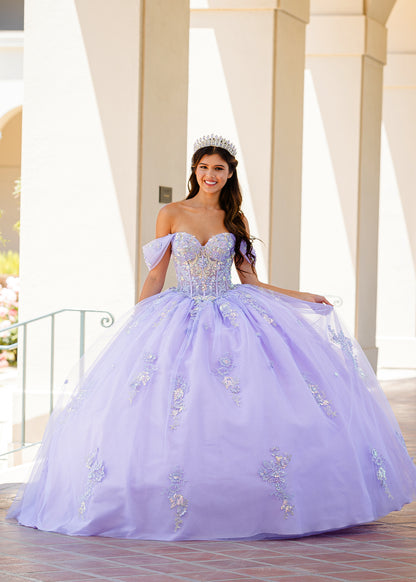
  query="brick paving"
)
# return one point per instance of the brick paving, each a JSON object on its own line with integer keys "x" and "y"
{"x": 381, "y": 551}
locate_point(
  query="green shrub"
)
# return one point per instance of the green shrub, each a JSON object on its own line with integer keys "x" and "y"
{"x": 9, "y": 263}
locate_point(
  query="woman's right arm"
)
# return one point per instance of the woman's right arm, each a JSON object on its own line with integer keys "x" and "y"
{"x": 156, "y": 278}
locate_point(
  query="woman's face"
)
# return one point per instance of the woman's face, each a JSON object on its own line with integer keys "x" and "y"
{"x": 212, "y": 173}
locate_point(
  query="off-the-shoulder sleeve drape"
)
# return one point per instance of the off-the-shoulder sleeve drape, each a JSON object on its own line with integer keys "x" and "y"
{"x": 243, "y": 251}
{"x": 154, "y": 250}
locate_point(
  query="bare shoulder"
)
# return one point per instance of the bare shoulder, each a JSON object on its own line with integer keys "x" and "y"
{"x": 168, "y": 213}
{"x": 167, "y": 210}
{"x": 164, "y": 221}
{"x": 173, "y": 208}
{"x": 167, "y": 217}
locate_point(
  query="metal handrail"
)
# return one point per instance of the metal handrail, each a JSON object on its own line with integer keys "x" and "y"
{"x": 106, "y": 321}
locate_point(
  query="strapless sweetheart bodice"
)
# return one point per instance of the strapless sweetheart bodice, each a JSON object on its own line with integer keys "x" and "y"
{"x": 203, "y": 271}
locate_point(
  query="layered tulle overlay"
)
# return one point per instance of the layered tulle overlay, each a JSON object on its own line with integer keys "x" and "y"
{"x": 220, "y": 411}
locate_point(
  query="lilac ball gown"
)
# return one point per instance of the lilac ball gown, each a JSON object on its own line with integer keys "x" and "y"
{"x": 220, "y": 411}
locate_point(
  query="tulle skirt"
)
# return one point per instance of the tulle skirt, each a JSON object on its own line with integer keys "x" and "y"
{"x": 253, "y": 415}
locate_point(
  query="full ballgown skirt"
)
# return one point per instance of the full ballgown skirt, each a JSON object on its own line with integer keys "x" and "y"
{"x": 220, "y": 411}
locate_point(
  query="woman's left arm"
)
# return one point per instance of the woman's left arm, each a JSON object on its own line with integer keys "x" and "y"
{"x": 247, "y": 276}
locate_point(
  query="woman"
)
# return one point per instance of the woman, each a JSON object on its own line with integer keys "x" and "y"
{"x": 219, "y": 411}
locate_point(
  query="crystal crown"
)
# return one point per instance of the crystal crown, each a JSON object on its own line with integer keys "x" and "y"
{"x": 217, "y": 141}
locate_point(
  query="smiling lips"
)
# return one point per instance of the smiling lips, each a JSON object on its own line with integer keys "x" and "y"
{"x": 210, "y": 183}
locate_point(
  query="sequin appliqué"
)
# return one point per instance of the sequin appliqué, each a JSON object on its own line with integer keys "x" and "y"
{"x": 198, "y": 304}
{"x": 180, "y": 389}
{"x": 249, "y": 300}
{"x": 229, "y": 313}
{"x": 274, "y": 473}
{"x": 346, "y": 346}
{"x": 145, "y": 375}
{"x": 178, "y": 503}
{"x": 163, "y": 313}
{"x": 320, "y": 398}
{"x": 96, "y": 473}
{"x": 224, "y": 367}
{"x": 381, "y": 473}
{"x": 77, "y": 399}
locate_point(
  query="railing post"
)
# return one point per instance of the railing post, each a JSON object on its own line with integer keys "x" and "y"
{"x": 52, "y": 360}
{"x": 82, "y": 334}
{"x": 81, "y": 342}
{"x": 23, "y": 428}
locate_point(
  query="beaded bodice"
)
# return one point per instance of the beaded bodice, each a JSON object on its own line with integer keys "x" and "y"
{"x": 203, "y": 271}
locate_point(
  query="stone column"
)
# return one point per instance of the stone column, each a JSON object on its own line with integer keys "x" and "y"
{"x": 163, "y": 114}
{"x": 368, "y": 193}
{"x": 346, "y": 52}
{"x": 373, "y": 61}
{"x": 396, "y": 321}
{"x": 286, "y": 151}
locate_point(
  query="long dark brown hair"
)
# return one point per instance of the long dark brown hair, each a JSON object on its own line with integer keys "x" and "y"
{"x": 230, "y": 201}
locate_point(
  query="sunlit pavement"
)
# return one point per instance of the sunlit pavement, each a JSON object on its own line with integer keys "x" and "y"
{"x": 380, "y": 551}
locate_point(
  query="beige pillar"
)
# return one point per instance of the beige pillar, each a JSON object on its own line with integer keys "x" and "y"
{"x": 396, "y": 320}
{"x": 368, "y": 201}
{"x": 287, "y": 116}
{"x": 346, "y": 48}
{"x": 373, "y": 61}
{"x": 163, "y": 114}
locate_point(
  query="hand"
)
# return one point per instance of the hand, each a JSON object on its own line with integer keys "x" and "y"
{"x": 314, "y": 298}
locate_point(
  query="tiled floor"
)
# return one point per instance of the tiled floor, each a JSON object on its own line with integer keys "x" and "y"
{"x": 382, "y": 551}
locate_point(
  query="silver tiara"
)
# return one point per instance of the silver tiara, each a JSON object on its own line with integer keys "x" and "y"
{"x": 217, "y": 141}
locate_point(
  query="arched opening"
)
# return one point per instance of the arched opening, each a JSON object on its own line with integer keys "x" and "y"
{"x": 10, "y": 169}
